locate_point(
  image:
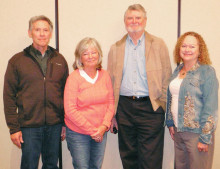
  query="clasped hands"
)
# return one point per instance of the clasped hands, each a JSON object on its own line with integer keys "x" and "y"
{"x": 98, "y": 136}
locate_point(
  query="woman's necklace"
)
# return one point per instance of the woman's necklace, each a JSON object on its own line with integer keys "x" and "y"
{"x": 183, "y": 73}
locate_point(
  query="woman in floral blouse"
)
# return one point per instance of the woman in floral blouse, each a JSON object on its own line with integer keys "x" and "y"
{"x": 192, "y": 104}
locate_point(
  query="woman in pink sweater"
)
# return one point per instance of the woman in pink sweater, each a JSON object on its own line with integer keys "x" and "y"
{"x": 89, "y": 106}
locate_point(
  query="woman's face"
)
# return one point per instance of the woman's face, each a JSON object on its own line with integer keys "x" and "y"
{"x": 89, "y": 58}
{"x": 189, "y": 50}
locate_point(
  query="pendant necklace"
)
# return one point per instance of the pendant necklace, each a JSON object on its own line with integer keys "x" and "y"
{"x": 183, "y": 73}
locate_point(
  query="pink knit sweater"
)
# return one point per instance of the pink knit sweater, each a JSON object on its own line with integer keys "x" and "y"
{"x": 88, "y": 106}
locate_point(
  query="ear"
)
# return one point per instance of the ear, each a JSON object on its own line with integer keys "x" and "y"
{"x": 29, "y": 33}
{"x": 145, "y": 21}
{"x": 51, "y": 34}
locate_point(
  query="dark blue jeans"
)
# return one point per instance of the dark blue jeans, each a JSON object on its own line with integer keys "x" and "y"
{"x": 40, "y": 141}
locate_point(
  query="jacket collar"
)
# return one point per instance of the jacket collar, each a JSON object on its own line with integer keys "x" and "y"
{"x": 121, "y": 47}
{"x": 194, "y": 68}
{"x": 120, "y": 51}
{"x": 180, "y": 66}
{"x": 148, "y": 43}
{"x": 148, "y": 38}
{"x": 28, "y": 49}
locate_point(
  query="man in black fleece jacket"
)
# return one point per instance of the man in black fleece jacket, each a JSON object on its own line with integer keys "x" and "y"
{"x": 33, "y": 97}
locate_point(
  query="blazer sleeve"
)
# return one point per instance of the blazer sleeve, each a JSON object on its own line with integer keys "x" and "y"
{"x": 166, "y": 72}
{"x": 110, "y": 63}
{"x": 110, "y": 106}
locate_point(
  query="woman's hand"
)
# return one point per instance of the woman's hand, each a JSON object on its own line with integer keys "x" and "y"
{"x": 202, "y": 147}
{"x": 98, "y": 136}
{"x": 171, "y": 130}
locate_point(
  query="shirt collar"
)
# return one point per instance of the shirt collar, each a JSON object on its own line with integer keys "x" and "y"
{"x": 37, "y": 53}
{"x": 88, "y": 79}
{"x": 142, "y": 38}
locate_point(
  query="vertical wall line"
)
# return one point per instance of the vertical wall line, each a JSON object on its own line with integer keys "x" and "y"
{"x": 178, "y": 26}
{"x": 179, "y": 19}
{"x": 57, "y": 47}
{"x": 57, "y": 24}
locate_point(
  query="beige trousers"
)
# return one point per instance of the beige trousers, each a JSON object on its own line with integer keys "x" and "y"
{"x": 187, "y": 155}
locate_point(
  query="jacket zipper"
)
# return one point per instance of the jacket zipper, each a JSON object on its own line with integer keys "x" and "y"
{"x": 45, "y": 103}
{"x": 44, "y": 77}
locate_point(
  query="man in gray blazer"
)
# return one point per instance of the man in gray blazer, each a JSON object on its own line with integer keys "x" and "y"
{"x": 139, "y": 66}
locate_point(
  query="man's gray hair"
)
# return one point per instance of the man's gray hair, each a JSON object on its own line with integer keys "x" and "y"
{"x": 38, "y": 18}
{"x": 136, "y": 7}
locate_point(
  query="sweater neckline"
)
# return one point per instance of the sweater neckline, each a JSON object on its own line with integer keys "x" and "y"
{"x": 87, "y": 77}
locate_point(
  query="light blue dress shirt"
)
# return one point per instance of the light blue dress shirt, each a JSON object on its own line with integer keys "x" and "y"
{"x": 134, "y": 79}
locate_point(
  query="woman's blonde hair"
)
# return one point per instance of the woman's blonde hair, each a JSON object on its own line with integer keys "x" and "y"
{"x": 203, "y": 50}
{"x": 82, "y": 46}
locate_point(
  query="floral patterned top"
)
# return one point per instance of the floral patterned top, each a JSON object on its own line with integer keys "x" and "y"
{"x": 197, "y": 103}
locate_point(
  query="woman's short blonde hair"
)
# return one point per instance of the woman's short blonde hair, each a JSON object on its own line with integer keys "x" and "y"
{"x": 203, "y": 50}
{"x": 82, "y": 46}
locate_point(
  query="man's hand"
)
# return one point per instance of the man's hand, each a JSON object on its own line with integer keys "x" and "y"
{"x": 17, "y": 139}
{"x": 113, "y": 124}
{"x": 63, "y": 133}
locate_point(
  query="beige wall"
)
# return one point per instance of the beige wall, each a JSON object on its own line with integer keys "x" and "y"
{"x": 103, "y": 20}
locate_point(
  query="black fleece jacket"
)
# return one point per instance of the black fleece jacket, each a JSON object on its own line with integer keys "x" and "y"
{"x": 30, "y": 98}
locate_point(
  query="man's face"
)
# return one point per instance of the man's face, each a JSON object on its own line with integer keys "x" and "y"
{"x": 135, "y": 21}
{"x": 40, "y": 33}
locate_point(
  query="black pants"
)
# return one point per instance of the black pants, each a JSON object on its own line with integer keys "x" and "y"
{"x": 140, "y": 134}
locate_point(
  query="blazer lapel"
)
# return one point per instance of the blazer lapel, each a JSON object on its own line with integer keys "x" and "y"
{"x": 120, "y": 58}
{"x": 148, "y": 43}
